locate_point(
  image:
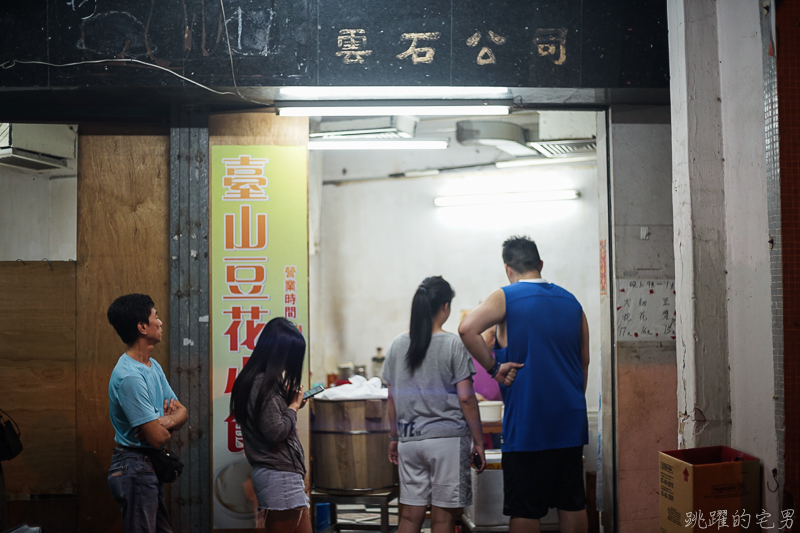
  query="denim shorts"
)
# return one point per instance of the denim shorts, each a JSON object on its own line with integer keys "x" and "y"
{"x": 278, "y": 490}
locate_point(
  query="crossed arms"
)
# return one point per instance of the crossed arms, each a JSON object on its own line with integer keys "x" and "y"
{"x": 158, "y": 432}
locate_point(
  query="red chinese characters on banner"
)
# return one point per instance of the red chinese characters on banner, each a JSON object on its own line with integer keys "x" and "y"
{"x": 233, "y": 372}
{"x": 245, "y": 278}
{"x": 245, "y": 234}
{"x": 290, "y": 292}
{"x": 252, "y": 326}
{"x": 234, "y": 440}
{"x": 245, "y": 178}
{"x": 233, "y": 430}
{"x": 252, "y": 234}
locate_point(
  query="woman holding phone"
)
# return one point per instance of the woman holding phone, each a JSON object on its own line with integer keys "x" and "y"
{"x": 435, "y": 424}
{"x": 265, "y": 399}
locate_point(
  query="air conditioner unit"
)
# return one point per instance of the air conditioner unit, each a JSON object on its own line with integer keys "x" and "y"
{"x": 37, "y": 147}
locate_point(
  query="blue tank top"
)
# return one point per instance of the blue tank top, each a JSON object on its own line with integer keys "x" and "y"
{"x": 545, "y": 407}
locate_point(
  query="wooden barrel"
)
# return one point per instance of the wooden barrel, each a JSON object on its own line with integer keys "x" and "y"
{"x": 350, "y": 446}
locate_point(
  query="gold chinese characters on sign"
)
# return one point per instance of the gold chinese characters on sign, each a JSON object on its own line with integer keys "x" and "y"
{"x": 419, "y": 55}
{"x": 351, "y": 43}
{"x": 352, "y": 46}
{"x": 486, "y": 56}
{"x": 551, "y": 43}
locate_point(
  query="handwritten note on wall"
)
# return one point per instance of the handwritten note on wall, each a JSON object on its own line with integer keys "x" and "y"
{"x": 645, "y": 309}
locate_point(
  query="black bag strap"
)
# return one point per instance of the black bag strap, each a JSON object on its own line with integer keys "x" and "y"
{"x": 12, "y": 421}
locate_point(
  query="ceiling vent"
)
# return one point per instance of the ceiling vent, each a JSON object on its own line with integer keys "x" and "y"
{"x": 36, "y": 147}
{"x": 566, "y": 148}
{"x": 505, "y": 136}
{"x": 518, "y": 141}
{"x": 397, "y": 127}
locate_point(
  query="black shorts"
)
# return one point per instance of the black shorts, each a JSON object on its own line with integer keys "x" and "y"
{"x": 533, "y": 482}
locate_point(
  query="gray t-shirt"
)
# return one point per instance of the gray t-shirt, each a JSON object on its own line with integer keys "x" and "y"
{"x": 426, "y": 402}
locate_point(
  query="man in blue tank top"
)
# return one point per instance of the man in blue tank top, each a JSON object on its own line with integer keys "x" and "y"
{"x": 542, "y": 327}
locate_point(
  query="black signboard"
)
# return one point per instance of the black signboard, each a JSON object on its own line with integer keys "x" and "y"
{"x": 265, "y": 43}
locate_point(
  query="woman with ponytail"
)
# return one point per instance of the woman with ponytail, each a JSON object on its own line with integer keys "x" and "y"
{"x": 435, "y": 424}
{"x": 265, "y": 398}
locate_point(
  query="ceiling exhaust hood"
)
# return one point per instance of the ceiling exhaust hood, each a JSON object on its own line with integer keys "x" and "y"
{"x": 518, "y": 141}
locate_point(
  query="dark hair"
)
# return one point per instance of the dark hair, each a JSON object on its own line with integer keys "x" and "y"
{"x": 279, "y": 355}
{"x": 521, "y": 254}
{"x": 431, "y": 295}
{"x": 127, "y": 312}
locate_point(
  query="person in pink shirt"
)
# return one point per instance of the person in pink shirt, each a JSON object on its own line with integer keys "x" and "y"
{"x": 486, "y": 388}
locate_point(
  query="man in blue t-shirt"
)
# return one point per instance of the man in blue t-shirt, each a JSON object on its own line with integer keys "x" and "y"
{"x": 542, "y": 328}
{"x": 144, "y": 413}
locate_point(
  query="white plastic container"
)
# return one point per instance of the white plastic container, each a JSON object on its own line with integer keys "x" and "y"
{"x": 491, "y": 411}
{"x": 487, "y": 492}
{"x": 232, "y": 508}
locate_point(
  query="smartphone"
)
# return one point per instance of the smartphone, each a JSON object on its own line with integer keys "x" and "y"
{"x": 313, "y": 392}
{"x": 476, "y": 461}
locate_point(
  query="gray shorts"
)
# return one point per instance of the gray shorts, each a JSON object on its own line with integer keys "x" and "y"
{"x": 432, "y": 474}
{"x": 278, "y": 490}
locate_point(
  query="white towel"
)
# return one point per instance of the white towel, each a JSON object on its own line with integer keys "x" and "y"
{"x": 359, "y": 388}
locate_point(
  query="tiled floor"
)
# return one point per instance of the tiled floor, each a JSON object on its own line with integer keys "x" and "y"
{"x": 361, "y": 514}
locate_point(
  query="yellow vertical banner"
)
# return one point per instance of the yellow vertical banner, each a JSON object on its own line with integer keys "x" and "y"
{"x": 259, "y": 271}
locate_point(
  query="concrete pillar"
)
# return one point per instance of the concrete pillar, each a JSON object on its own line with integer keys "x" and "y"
{"x": 698, "y": 197}
{"x": 726, "y": 376}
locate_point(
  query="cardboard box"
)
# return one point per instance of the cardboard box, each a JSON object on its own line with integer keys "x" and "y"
{"x": 697, "y": 482}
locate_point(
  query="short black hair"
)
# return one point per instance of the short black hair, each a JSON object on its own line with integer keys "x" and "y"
{"x": 127, "y": 312}
{"x": 521, "y": 254}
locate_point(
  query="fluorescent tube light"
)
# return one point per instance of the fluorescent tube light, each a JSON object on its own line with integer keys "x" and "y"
{"x": 506, "y": 198}
{"x": 368, "y": 111}
{"x": 535, "y": 161}
{"x": 367, "y": 108}
{"x": 308, "y": 93}
{"x": 421, "y": 173}
{"x": 377, "y": 144}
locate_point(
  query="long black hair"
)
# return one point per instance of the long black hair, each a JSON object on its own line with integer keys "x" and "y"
{"x": 431, "y": 295}
{"x": 279, "y": 355}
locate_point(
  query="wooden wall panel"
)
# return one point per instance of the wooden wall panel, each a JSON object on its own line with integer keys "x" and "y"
{"x": 37, "y": 373}
{"x": 51, "y": 514}
{"x": 257, "y": 129}
{"x": 123, "y": 247}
